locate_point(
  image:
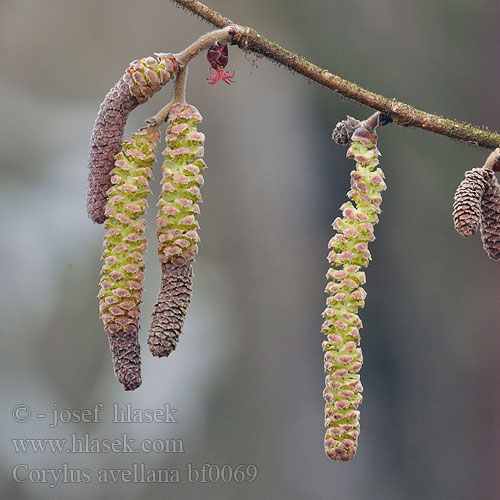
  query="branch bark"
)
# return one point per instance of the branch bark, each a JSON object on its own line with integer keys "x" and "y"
{"x": 403, "y": 114}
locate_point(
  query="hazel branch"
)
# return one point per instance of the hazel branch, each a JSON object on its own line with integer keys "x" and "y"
{"x": 402, "y": 114}
{"x": 183, "y": 58}
{"x": 225, "y": 35}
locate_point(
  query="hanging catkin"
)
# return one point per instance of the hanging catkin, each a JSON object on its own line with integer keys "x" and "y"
{"x": 490, "y": 217}
{"x": 343, "y": 357}
{"x": 122, "y": 272}
{"x": 141, "y": 80}
{"x": 177, "y": 226}
{"x": 467, "y": 201}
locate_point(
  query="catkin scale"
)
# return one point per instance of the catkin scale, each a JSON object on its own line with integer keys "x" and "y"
{"x": 141, "y": 80}
{"x": 349, "y": 253}
{"x": 123, "y": 270}
{"x": 467, "y": 200}
{"x": 177, "y": 226}
{"x": 490, "y": 218}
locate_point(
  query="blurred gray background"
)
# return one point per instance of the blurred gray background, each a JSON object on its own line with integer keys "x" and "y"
{"x": 247, "y": 377}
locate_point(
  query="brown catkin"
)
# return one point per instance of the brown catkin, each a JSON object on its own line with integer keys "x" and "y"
{"x": 170, "y": 309}
{"x": 105, "y": 143}
{"x": 126, "y": 356}
{"x": 467, "y": 201}
{"x": 490, "y": 218}
{"x": 141, "y": 80}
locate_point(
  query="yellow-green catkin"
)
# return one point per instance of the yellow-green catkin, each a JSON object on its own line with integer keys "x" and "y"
{"x": 177, "y": 226}
{"x": 123, "y": 270}
{"x": 349, "y": 253}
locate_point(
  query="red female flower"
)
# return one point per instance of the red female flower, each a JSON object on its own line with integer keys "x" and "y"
{"x": 218, "y": 56}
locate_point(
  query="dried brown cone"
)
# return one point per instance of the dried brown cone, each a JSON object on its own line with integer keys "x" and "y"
{"x": 126, "y": 354}
{"x": 170, "y": 309}
{"x": 467, "y": 204}
{"x": 343, "y": 131}
{"x": 490, "y": 218}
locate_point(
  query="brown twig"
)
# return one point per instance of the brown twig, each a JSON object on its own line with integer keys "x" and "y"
{"x": 226, "y": 34}
{"x": 407, "y": 116}
{"x": 183, "y": 58}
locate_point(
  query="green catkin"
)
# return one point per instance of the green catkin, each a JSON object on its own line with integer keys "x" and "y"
{"x": 177, "y": 226}
{"x": 123, "y": 270}
{"x": 349, "y": 253}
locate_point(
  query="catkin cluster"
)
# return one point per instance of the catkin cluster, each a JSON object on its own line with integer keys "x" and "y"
{"x": 142, "y": 79}
{"x": 122, "y": 273}
{"x": 477, "y": 204}
{"x": 349, "y": 253}
{"x": 177, "y": 225}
